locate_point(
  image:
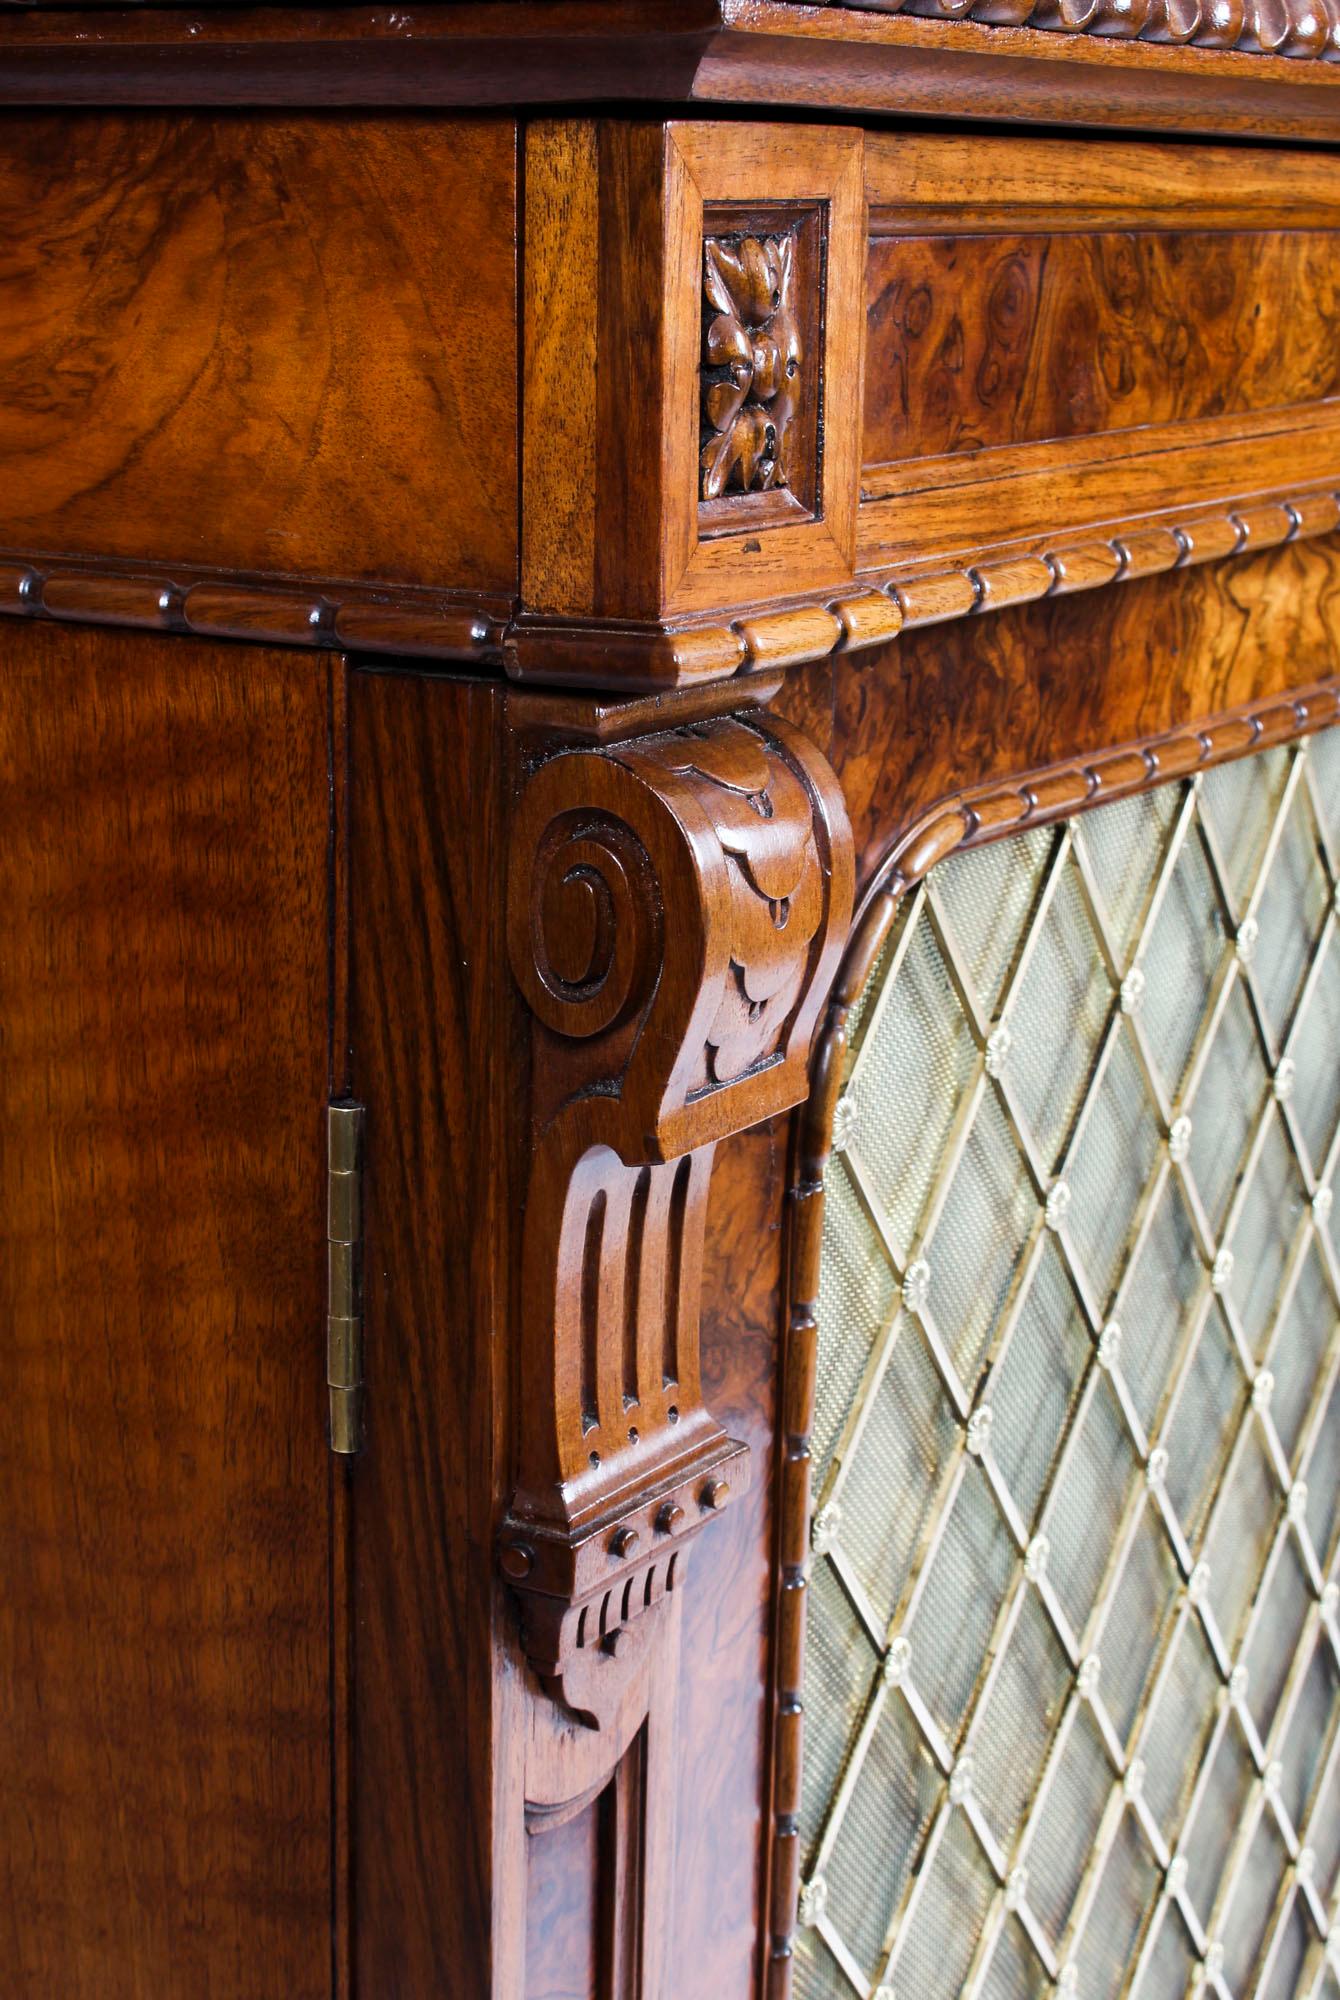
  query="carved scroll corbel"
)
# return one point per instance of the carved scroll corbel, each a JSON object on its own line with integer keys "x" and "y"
{"x": 676, "y": 909}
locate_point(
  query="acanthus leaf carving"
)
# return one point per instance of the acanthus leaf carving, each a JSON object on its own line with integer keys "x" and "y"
{"x": 677, "y": 905}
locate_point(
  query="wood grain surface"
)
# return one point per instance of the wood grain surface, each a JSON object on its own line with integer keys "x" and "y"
{"x": 266, "y": 345}
{"x": 164, "y": 1710}
{"x": 723, "y": 1774}
{"x": 428, "y": 1000}
{"x": 907, "y": 725}
{"x": 978, "y": 340}
{"x": 563, "y": 1908}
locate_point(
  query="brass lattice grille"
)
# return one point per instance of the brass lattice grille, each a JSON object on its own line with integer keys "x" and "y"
{"x": 1073, "y": 1659}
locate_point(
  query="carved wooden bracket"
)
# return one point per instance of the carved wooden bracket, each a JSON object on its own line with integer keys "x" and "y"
{"x": 676, "y": 910}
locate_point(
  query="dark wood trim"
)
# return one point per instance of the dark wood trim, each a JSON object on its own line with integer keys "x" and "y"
{"x": 967, "y": 819}
{"x": 217, "y": 604}
{"x": 650, "y": 660}
{"x": 756, "y": 52}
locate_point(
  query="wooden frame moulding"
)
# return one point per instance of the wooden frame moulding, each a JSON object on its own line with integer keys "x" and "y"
{"x": 1156, "y": 65}
{"x": 693, "y": 288}
{"x": 616, "y": 218}
{"x": 625, "y": 582}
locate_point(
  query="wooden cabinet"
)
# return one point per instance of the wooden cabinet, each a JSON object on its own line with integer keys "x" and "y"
{"x": 514, "y": 617}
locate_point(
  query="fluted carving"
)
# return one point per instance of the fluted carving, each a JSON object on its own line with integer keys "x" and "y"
{"x": 676, "y": 908}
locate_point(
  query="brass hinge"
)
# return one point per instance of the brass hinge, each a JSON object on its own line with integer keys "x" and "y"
{"x": 344, "y": 1257}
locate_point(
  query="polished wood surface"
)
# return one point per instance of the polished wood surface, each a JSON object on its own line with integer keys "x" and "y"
{"x": 427, "y": 1022}
{"x": 191, "y": 367}
{"x": 853, "y": 470}
{"x": 1068, "y": 372}
{"x": 755, "y": 52}
{"x": 980, "y": 341}
{"x": 613, "y": 528}
{"x": 164, "y": 1595}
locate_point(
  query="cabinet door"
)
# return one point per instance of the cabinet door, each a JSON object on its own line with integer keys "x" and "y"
{"x": 1071, "y": 1690}
{"x": 164, "y": 1511}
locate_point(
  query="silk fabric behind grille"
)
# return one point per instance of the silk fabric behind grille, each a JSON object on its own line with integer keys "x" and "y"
{"x": 1073, "y": 1661}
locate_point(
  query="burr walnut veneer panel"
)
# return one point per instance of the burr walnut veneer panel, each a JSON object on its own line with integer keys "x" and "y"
{"x": 977, "y": 340}
{"x": 164, "y": 1605}
{"x": 280, "y": 344}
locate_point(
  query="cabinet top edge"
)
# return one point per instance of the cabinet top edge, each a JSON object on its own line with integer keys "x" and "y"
{"x": 1220, "y": 79}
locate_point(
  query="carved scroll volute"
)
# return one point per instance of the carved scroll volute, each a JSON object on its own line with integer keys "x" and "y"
{"x": 677, "y": 906}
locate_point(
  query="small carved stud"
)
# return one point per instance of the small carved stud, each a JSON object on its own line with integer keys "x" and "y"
{"x": 669, "y": 1518}
{"x": 1263, "y": 1388}
{"x": 1109, "y": 1345}
{"x": 1321, "y": 1203}
{"x": 715, "y": 1495}
{"x": 979, "y": 1430}
{"x": 1246, "y": 940}
{"x": 1306, "y": 1865}
{"x": 1198, "y": 1583}
{"x": 1016, "y": 1889}
{"x": 625, "y": 1542}
{"x": 916, "y": 1285}
{"x": 824, "y": 1528}
{"x": 1177, "y": 1874}
{"x": 845, "y": 1117}
{"x": 1221, "y": 1275}
{"x": 813, "y": 1901}
{"x": 1068, "y": 1983}
{"x": 517, "y": 1560}
{"x": 1238, "y": 1682}
{"x": 1179, "y": 1140}
{"x": 1297, "y": 1503}
{"x": 1286, "y": 1075}
{"x": 1133, "y": 1783}
{"x": 1090, "y": 1673}
{"x": 1035, "y": 1558}
{"x": 998, "y": 1045}
{"x": 1156, "y": 1469}
{"x": 1133, "y": 991}
{"x": 898, "y": 1662}
{"x": 960, "y": 1782}
{"x": 1058, "y": 1204}
{"x": 1273, "y": 1778}
{"x": 1330, "y": 1600}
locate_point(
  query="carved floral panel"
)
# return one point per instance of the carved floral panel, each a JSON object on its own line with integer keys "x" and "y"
{"x": 751, "y": 363}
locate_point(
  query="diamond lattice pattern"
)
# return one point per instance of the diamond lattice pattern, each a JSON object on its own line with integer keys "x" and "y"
{"x": 1073, "y": 1660}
